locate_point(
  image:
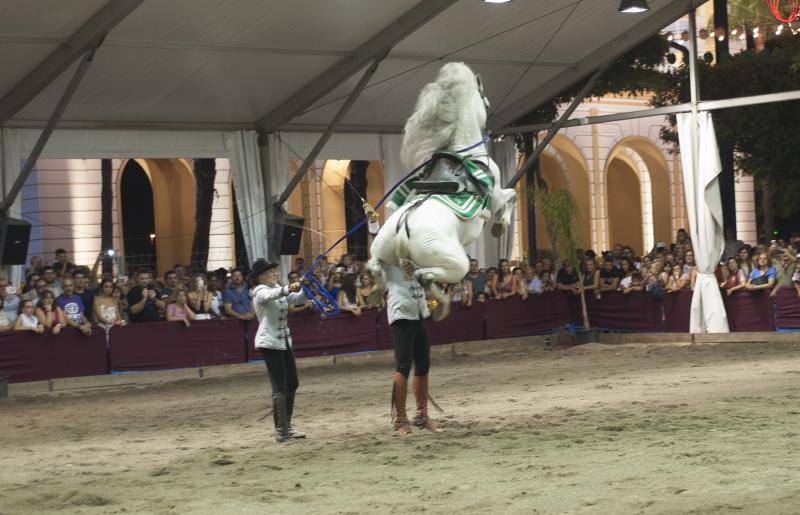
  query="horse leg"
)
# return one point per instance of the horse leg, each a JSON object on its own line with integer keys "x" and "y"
{"x": 453, "y": 270}
{"x": 374, "y": 269}
{"x": 505, "y": 200}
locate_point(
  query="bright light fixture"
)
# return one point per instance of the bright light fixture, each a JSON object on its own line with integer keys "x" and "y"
{"x": 633, "y": 6}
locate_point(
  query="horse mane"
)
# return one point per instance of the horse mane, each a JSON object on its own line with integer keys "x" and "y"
{"x": 443, "y": 115}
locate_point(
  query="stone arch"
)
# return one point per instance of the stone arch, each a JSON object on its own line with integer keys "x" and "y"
{"x": 173, "y": 186}
{"x": 624, "y": 201}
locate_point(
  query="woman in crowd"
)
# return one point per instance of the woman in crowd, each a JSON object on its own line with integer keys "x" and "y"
{"x": 335, "y": 281}
{"x": 735, "y": 279}
{"x": 520, "y": 284}
{"x": 763, "y": 275}
{"x": 50, "y": 315}
{"x": 547, "y": 275}
{"x": 678, "y": 280}
{"x": 179, "y": 310}
{"x": 743, "y": 258}
{"x": 503, "y": 283}
{"x": 491, "y": 276}
{"x": 591, "y": 277}
{"x": 26, "y": 320}
{"x": 636, "y": 284}
{"x": 106, "y": 308}
{"x": 199, "y": 298}
{"x": 656, "y": 280}
{"x": 347, "y": 297}
{"x": 627, "y": 269}
{"x": 214, "y": 287}
{"x": 122, "y": 303}
{"x": 689, "y": 265}
{"x": 274, "y": 341}
{"x": 364, "y": 288}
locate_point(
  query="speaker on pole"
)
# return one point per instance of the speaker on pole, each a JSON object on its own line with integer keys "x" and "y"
{"x": 288, "y": 232}
{"x": 14, "y": 237}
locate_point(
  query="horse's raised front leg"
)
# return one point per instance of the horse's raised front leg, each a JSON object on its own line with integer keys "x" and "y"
{"x": 453, "y": 270}
{"x": 504, "y": 200}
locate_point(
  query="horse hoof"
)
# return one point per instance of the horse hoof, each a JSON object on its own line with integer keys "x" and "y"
{"x": 441, "y": 311}
{"x": 499, "y": 228}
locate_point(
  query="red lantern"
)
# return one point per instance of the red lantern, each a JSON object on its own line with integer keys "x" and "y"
{"x": 779, "y": 9}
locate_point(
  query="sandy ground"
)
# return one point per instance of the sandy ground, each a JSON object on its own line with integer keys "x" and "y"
{"x": 591, "y": 429}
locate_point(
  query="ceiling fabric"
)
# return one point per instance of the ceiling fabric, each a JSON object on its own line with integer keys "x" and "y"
{"x": 224, "y": 64}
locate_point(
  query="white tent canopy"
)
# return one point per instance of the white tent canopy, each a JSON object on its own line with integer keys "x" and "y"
{"x": 173, "y": 78}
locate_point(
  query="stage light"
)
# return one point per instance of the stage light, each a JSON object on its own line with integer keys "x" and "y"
{"x": 633, "y": 6}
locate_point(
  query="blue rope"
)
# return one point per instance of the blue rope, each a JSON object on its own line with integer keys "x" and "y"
{"x": 331, "y": 307}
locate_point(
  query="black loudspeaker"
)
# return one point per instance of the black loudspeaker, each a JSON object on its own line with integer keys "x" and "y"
{"x": 288, "y": 231}
{"x": 14, "y": 237}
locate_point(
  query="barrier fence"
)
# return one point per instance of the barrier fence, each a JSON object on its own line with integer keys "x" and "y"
{"x": 25, "y": 356}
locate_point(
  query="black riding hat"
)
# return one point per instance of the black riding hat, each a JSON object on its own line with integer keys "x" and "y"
{"x": 260, "y": 266}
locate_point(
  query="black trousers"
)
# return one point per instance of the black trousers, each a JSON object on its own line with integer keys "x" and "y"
{"x": 282, "y": 370}
{"x": 411, "y": 343}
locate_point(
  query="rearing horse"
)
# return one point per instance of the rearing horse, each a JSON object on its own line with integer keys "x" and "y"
{"x": 429, "y": 229}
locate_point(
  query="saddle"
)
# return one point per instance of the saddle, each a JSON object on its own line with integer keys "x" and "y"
{"x": 450, "y": 173}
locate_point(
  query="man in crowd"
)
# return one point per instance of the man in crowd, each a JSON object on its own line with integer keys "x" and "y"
{"x": 73, "y": 308}
{"x": 476, "y": 278}
{"x": 39, "y": 286}
{"x": 170, "y": 283}
{"x": 180, "y": 273}
{"x": 144, "y": 302}
{"x": 609, "y": 275}
{"x": 83, "y": 291}
{"x": 681, "y": 245}
{"x": 784, "y": 271}
{"x": 299, "y": 266}
{"x": 732, "y": 245}
{"x": 236, "y": 298}
{"x": 51, "y": 282}
{"x": 62, "y": 266}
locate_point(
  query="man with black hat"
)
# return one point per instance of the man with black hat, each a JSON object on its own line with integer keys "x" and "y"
{"x": 274, "y": 340}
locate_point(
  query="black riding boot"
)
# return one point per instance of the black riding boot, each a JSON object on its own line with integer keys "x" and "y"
{"x": 280, "y": 416}
{"x": 293, "y": 433}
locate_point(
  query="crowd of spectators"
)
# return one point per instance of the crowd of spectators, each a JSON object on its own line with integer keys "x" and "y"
{"x": 62, "y": 294}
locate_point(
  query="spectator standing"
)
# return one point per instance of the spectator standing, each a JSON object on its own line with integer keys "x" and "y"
{"x": 744, "y": 259}
{"x": 784, "y": 272}
{"x": 9, "y": 302}
{"x": 609, "y": 276}
{"x": 637, "y": 284}
{"x": 520, "y": 284}
{"x": 49, "y": 314}
{"x": 215, "y": 287}
{"x": 170, "y": 284}
{"x": 122, "y": 303}
{"x": 200, "y": 299}
{"x": 735, "y": 278}
{"x": 678, "y": 279}
{"x": 335, "y": 281}
{"x": 83, "y": 291}
{"x": 72, "y": 307}
{"x": 626, "y": 270}
{"x": 236, "y": 298}
{"x": 732, "y": 245}
{"x": 591, "y": 277}
{"x": 62, "y": 267}
{"x": 179, "y": 311}
{"x": 475, "y": 277}
{"x": 35, "y": 268}
{"x": 567, "y": 279}
{"x": 181, "y": 275}
{"x": 33, "y": 295}
{"x": 503, "y": 282}
{"x": 461, "y": 292}
{"x": 689, "y": 265}
{"x": 105, "y": 306}
{"x": 26, "y": 320}
{"x": 51, "y": 282}
{"x": 547, "y": 275}
{"x": 347, "y": 297}
{"x": 491, "y": 276}
{"x": 681, "y": 245}
{"x": 299, "y": 265}
{"x": 144, "y": 300}
{"x": 365, "y": 287}
{"x": 763, "y": 275}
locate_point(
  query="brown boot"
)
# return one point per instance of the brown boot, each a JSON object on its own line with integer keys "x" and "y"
{"x": 421, "y": 420}
{"x": 399, "y": 395}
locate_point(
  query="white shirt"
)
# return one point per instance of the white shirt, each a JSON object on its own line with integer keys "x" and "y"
{"x": 405, "y": 297}
{"x": 272, "y": 308}
{"x": 29, "y": 321}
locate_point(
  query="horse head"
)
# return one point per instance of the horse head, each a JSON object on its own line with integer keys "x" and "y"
{"x": 450, "y": 113}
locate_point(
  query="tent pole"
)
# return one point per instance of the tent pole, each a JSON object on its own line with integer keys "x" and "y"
{"x": 323, "y": 140}
{"x": 553, "y": 130}
{"x": 48, "y": 130}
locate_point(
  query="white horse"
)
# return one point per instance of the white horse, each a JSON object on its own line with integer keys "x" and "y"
{"x": 450, "y": 115}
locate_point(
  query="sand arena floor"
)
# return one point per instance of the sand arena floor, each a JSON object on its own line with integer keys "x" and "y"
{"x": 590, "y": 429}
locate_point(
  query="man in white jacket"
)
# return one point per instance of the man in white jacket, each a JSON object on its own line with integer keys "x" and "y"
{"x": 274, "y": 340}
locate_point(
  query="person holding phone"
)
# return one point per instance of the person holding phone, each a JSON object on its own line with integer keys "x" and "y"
{"x": 144, "y": 300}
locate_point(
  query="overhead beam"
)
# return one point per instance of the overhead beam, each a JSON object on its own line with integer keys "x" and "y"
{"x": 607, "y": 53}
{"x": 85, "y": 37}
{"x": 323, "y": 140}
{"x": 378, "y": 45}
{"x": 707, "y": 105}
